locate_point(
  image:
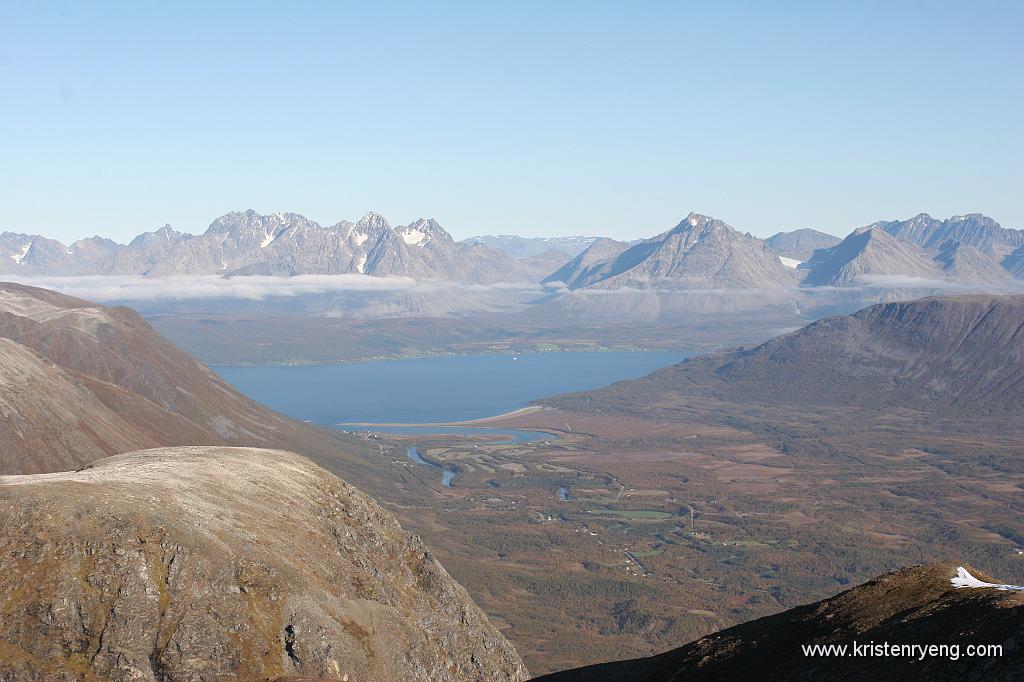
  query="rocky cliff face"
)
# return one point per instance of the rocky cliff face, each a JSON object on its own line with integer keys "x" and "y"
{"x": 207, "y": 563}
{"x": 915, "y": 605}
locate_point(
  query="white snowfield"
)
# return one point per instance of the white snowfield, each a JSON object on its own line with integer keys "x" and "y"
{"x": 965, "y": 579}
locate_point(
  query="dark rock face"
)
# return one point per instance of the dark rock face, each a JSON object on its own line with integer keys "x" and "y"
{"x": 201, "y": 563}
{"x": 915, "y": 605}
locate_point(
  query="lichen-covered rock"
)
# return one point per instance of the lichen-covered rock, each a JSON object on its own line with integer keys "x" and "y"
{"x": 213, "y": 563}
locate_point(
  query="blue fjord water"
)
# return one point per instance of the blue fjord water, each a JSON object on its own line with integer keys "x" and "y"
{"x": 435, "y": 389}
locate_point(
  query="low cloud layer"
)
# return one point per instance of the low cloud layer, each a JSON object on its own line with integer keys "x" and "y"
{"x": 135, "y": 288}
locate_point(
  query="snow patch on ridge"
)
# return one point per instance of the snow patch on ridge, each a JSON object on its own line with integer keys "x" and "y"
{"x": 18, "y": 257}
{"x": 791, "y": 262}
{"x": 414, "y": 237}
{"x": 965, "y": 579}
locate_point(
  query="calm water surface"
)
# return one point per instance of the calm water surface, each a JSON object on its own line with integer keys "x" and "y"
{"x": 441, "y": 389}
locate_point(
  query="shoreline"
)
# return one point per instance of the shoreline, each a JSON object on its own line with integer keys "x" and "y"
{"x": 445, "y": 354}
{"x": 469, "y": 422}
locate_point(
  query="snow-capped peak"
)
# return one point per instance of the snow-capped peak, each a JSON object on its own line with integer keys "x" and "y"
{"x": 422, "y": 231}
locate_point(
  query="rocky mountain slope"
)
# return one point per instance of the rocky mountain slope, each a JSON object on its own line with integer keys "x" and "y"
{"x": 592, "y": 264}
{"x": 800, "y": 244}
{"x": 950, "y": 353}
{"x": 699, "y": 253}
{"x": 114, "y": 384}
{"x": 225, "y": 563}
{"x": 872, "y": 256}
{"x": 50, "y": 420}
{"x": 868, "y": 256}
{"x": 915, "y": 605}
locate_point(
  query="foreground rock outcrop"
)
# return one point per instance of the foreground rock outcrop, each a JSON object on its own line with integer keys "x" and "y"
{"x": 214, "y": 563}
{"x": 916, "y": 605}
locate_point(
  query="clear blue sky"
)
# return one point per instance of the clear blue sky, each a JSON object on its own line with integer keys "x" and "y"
{"x": 533, "y": 118}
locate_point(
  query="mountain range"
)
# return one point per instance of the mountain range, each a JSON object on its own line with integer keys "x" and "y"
{"x": 700, "y": 253}
{"x": 247, "y": 243}
{"x": 705, "y": 253}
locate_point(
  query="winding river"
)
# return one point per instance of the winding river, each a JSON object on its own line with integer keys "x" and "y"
{"x": 448, "y": 474}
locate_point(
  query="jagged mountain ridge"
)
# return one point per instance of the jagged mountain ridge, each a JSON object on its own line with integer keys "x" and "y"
{"x": 247, "y": 243}
{"x": 973, "y": 229}
{"x": 705, "y": 253}
{"x": 873, "y": 256}
{"x": 225, "y": 563}
{"x": 915, "y": 605}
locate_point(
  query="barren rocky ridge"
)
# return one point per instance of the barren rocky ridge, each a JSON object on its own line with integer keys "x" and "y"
{"x": 194, "y": 563}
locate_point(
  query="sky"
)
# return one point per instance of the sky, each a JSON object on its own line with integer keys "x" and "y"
{"x": 532, "y": 118}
